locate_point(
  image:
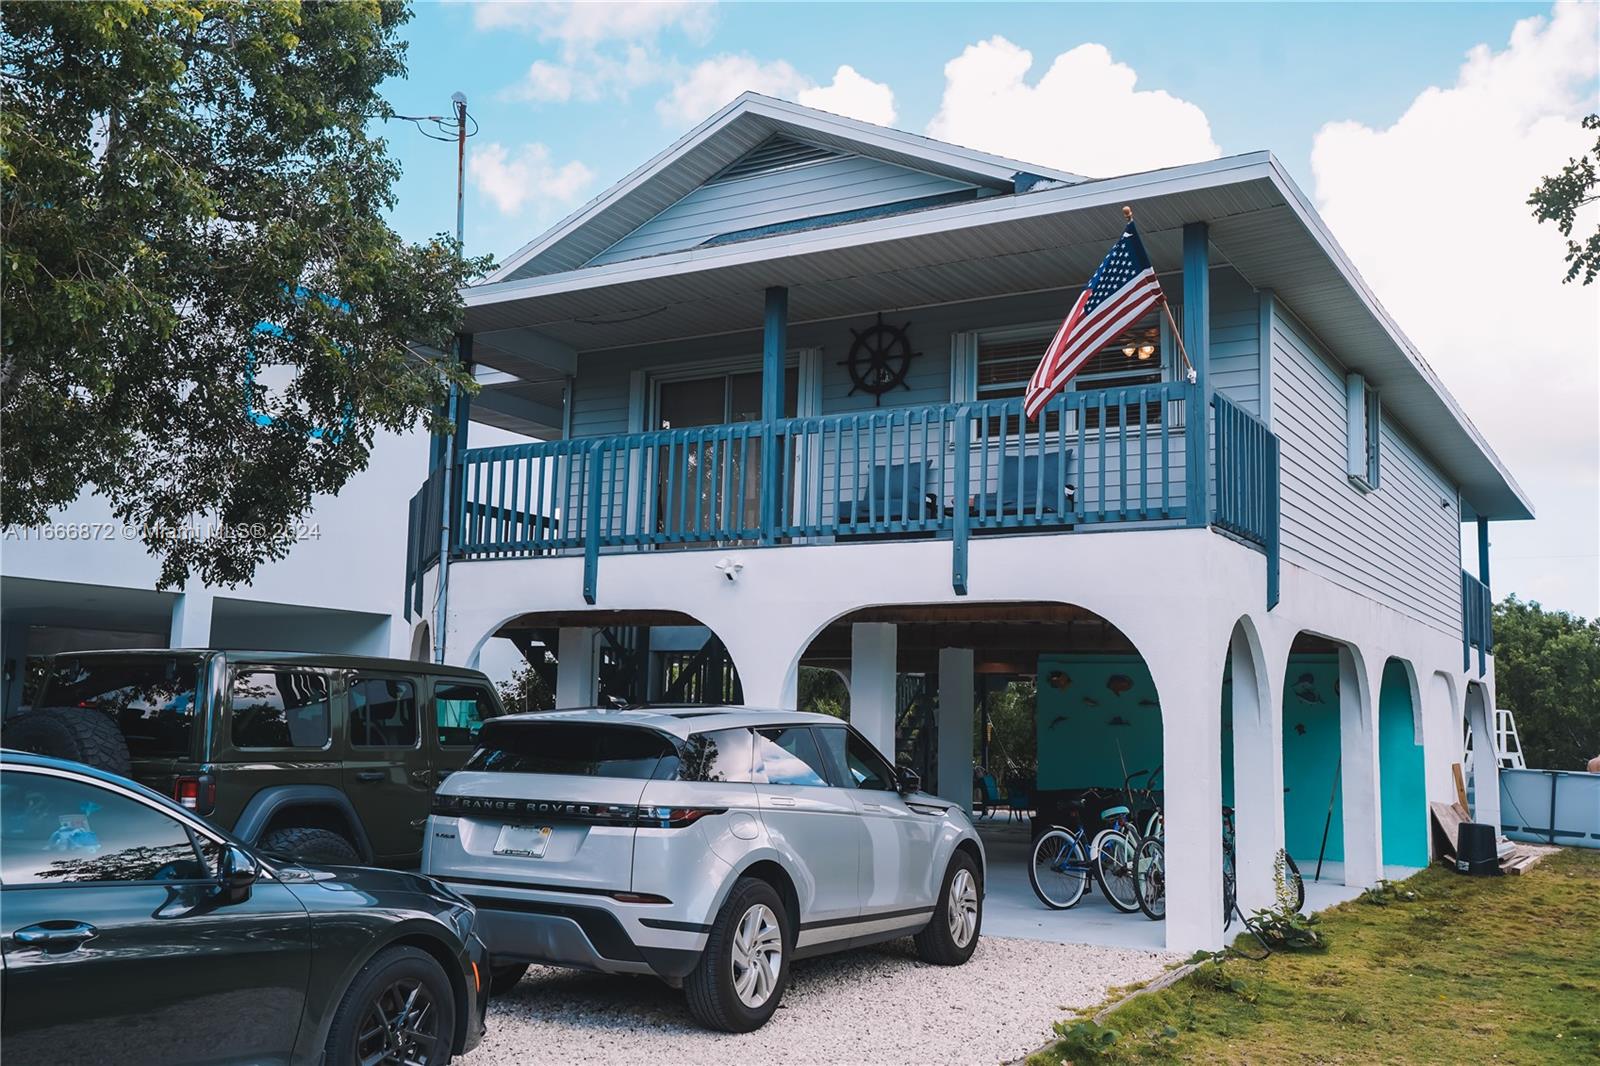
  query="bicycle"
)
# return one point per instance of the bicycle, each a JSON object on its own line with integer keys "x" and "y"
{"x": 1151, "y": 884}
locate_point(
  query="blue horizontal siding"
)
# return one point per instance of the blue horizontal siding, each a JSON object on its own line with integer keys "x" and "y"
{"x": 848, "y": 183}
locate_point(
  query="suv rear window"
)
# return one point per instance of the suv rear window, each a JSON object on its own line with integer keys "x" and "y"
{"x": 152, "y": 697}
{"x": 579, "y": 749}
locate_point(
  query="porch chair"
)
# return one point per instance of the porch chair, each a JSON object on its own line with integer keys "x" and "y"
{"x": 1008, "y": 499}
{"x": 989, "y": 790}
{"x": 895, "y": 492}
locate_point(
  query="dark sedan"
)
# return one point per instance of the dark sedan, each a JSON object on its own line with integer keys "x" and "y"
{"x": 135, "y": 932}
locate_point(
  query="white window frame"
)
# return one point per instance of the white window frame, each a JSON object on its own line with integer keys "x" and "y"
{"x": 1363, "y": 432}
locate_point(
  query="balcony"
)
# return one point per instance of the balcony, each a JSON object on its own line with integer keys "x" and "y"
{"x": 1125, "y": 458}
{"x": 1477, "y": 614}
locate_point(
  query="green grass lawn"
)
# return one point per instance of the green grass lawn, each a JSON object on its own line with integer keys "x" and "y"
{"x": 1503, "y": 969}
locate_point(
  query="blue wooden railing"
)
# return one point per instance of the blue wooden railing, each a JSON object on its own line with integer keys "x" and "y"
{"x": 1477, "y": 612}
{"x": 1247, "y": 482}
{"x": 947, "y": 471}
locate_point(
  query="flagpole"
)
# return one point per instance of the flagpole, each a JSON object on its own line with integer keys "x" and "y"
{"x": 1177, "y": 335}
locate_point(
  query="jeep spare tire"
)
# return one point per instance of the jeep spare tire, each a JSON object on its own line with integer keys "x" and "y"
{"x": 77, "y": 733}
{"x": 307, "y": 844}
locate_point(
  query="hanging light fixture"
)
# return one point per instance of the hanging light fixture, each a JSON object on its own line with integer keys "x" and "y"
{"x": 1145, "y": 351}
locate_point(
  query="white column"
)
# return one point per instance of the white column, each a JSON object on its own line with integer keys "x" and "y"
{"x": 1358, "y": 770}
{"x": 191, "y": 619}
{"x": 1485, "y": 758}
{"x": 1257, "y": 777}
{"x": 578, "y": 667}
{"x": 873, "y": 653}
{"x": 956, "y": 708}
{"x": 1188, "y": 678}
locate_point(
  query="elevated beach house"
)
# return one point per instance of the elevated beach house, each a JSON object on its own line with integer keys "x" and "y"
{"x": 777, "y": 377}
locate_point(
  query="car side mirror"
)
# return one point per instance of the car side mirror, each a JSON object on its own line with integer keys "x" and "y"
{"x": 238, "y": 875}
{"x": 908, "y": 781}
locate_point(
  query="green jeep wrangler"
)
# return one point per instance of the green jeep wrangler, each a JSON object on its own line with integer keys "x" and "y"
{"x": 321, "y": 758}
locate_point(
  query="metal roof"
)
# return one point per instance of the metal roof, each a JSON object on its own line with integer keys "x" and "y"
{"x": 1261, "y": 225}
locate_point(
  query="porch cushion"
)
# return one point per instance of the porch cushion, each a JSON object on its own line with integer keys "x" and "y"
{"x": 896, "y": 492}
{"x": 1012, "y": 498}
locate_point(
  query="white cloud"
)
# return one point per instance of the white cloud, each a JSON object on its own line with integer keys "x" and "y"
{"x": 1084, "y": 115}
{"x": 715, "y": 82}
{"x": 580, "y": 25}
{"x": 529, "y": 175}
{"x": 852, "y": 95}
{"x": 1432, "y": 209}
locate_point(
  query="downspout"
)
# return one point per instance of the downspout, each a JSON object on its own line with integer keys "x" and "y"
{"x": 441, "y": 601}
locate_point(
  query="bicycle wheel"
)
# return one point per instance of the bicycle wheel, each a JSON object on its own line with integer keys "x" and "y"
{"x": 1113, "y": 859}
{"x": 1150, "y": 878}
{"x": 1230, "y": 885}
{"x": 1059, "y": 870}
{"x": 1295, "y": 883}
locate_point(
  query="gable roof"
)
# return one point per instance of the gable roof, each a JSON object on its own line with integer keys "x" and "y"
{"x": 725, "y": 140}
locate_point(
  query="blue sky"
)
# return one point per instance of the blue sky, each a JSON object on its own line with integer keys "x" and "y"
{"x": 1417, "y": 130}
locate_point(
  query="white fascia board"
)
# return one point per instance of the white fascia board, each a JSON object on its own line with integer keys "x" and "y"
{"x": 975, "y": 213}
{"x": 883, "y": 138}
{"x": 1330, "y": 247}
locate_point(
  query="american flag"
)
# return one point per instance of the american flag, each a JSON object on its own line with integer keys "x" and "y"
{"x": 1120, "y": 293}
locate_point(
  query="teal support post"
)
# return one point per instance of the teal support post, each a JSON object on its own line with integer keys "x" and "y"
{"x": 962, "y": 519}
{"x": 774, "y": 347}
{"x": 1197, "y": 343}
{"x": 1483, "y": 551}
{"x": 591, "y": 527}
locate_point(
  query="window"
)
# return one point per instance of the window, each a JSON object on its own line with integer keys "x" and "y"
{"x": 1363, "y": 421}
{"x": 572, "y": 749}
{"x": 459, "y": 710}
{"x": 280, "y": 709}
{"x": 723, "y": 755}
{"x": 789, "y": 757}
{"x": 152, "y": 697}
{"x": 383, "y": 713}
{"x": 1008, "y": 358}
{"x": 59, "y": 831}
{"x": 856, "y": 764}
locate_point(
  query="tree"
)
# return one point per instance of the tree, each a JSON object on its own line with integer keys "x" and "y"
{"x": 527, "y": 690}
{"x": 823, "y": 692}
{"x": 207, "y": 317}
{"x": 1559, "y": 198}
{"x": 1547, "y": 671}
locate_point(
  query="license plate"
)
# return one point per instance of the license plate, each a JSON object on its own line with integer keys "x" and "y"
{"x": 524, "y": 840}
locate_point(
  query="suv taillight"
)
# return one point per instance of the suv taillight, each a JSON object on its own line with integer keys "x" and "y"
{"x": 197, "y": 794}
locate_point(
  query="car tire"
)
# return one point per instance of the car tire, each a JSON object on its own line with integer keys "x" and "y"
{"x": 78, "y": 733}
{"x": 951, "y": 935}
{"x": 304, "y": 844}
{"x": 744, "y": 930}
{"x": 372, "y": 1014}
{"x": 506, "y": 976}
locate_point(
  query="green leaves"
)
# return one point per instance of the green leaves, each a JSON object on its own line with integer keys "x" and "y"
{"x": 1547, "y": 671}
{"x": 1558, "y": 199}
{"x": 176, "y": 176}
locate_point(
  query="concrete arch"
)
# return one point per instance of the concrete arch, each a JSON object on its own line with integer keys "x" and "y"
{"x": 421, "y": 643}
{"x": 1402, "y": 767}
{"x": 1257, "y": 762}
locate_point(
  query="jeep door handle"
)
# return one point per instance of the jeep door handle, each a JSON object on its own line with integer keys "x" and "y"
{"x": 370, "y": 775}
{"x": 55, "y": 934}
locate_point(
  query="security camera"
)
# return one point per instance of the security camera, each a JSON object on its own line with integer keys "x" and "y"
{"x": 729, "y": 568}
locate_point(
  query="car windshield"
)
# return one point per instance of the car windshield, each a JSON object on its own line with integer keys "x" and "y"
{"x": 151, "y": 697}
{"x": 574, "y": 748}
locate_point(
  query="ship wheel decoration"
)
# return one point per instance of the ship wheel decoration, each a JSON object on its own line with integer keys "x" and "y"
{"x": 880, "y": 357}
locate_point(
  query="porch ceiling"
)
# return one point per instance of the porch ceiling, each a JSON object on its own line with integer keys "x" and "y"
{"x": 1260, "y": 225}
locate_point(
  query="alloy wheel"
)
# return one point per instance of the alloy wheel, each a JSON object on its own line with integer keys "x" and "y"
{"x": 757, "y": 955}
{"x": 963, "y": 907}
{"x": 400, "y": 1027}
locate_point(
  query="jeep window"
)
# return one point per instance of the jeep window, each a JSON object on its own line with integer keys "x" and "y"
{"x": 460, "y": 709}
{"x": 578, "y": 749}
{"x": 383, "y": 712}
{"x": 58, "y": 831}
{"x": 280, "y": 709}
{"x": 789, "y": 757}
{"x": 152, "y": 697}
{"x": 721, "y": 755}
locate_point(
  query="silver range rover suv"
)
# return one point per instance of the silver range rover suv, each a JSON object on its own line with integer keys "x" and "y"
{"x": 707, "y": 846}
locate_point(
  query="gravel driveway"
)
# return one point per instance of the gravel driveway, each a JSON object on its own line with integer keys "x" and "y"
{"x": 877, "y": 1005}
